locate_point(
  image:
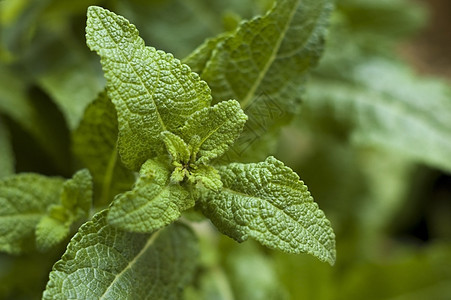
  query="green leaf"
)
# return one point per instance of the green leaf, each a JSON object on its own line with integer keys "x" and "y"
{"x": 268, "y": 202}
{"x": 76, "y": 197}
{"x": 103, "y": 262}
{"x": 385, "y": 104}
{"x": 24, "y": 200}
{"x": 34, "y": 116}
{"x": 198, "y": 59}
{"x": 50, "y": 231}
{"x": 72, "y": 85}
{"x": 177, "y": 147}
{"x": 252, "y": 274}
{"x": 7, "y": 156}
{"x": 152, "y": 91}
{"x": 75, "y": 203}
{"x": 94, "y": 143}
{"x": 153, "y": 203}
{"x": 207, "y": 176}
{"x": 264, "y": 65}
{"x": 270, "y": 54}
{"x": 216, "y": 129}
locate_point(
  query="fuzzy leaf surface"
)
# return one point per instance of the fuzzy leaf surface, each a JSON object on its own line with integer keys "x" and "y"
{"x": 176, "y": 147}
{"x": 24, "y": 200}
{"x": 216, "y": 129}
{"x": 268, "y": 202}
{"x": 152, "y": 91}
{"x": 153, "y": 203}
{"x": 94, "y": 143}
{"x": 104, "y": 262}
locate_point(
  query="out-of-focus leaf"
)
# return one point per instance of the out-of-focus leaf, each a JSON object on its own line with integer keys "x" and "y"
{"x": 252, "y": 274}
{"x": 6, "y": 152}
{"x": 24, "y": 200}
{"x": 384, "y": 19}
{"x": 425, "y": 274}
{"x": 73, "y": 87}
{"x": 94, "y": 143}
{"x": 34, "y": 115}
{"x": 390, "y": 108}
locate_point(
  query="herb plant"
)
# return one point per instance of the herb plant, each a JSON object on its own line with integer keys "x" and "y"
{"x": 126, "y": 173}
{"x": 160, "y": 113}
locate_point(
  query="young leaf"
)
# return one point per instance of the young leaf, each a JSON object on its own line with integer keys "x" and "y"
{"x": 153, "y": 203}
{"x": 268, "y": 202}
{"x": 75, "y": 203}
{"x": 24, "y": 200}
{"x": 176, "y": 147}
{"x": 207, "y": 176}
{"x": 51, "y": 230}
{"x": 7, "y": 156}
{"x": 94, "y": 143}
{"x": 152, "y": 91}
{"x": 217, "y": 127}
{"x": 103, "y": 262}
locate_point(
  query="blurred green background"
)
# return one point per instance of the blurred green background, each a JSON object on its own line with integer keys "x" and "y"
{"x": 372, "y": 140}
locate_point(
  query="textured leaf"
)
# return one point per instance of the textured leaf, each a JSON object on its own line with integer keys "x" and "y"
{"x": 51, "y": 230}
{"x": 268, "y": 202}
{"x": 94, "y": 143}
{"x": 76, "y": 197}
{"x": 103, "y": 262}
{"x": 263, "y": 65}
{"x": 207, "y": 176}
{"x": 177, "y": 147}
{"x": 154, "y": 201}
{"x": 152, "y": 91}
{"x": 75, "y": 203}
{"x": 269, "y": 54}
{"x": 216, "y": 129}
{"x": 24, "y": 200}
{"x": 391, "y": 109}
{"x": 7, "y": 156}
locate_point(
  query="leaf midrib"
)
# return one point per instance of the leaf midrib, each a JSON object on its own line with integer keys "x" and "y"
{"x": 271, "y": 59}
{"x": 284, "y": 213}
{"x": 160, "y": 120}
{"x": 148, "y": 244}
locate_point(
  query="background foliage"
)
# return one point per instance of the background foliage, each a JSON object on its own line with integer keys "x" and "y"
{"x": 372, "y": 140}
